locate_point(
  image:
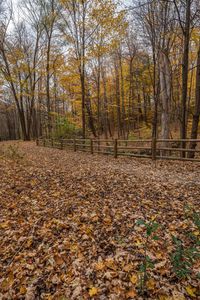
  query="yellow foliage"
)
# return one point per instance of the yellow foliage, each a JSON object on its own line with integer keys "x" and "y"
{"x": 93, "y": 291}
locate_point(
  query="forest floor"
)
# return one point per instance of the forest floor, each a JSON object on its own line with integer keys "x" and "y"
{"x": 69, "y": 230}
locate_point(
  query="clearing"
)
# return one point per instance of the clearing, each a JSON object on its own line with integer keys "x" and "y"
{"x": 68, "y": 224}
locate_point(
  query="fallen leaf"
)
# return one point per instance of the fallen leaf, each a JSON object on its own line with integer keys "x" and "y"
{"x": 76, "y": 292}
{"x": 160, "y": 264}
{"x": 93, "y": 291}
{"x": 8, "y": 282}
{"x": 151, "y": 284}
{"x": 4, "y": 225}
{"x": 99, "y": 266}
{"x": 58, "y": 259}
{"x": 164, "y": 297}
{"x": 131, "y": 294}
{"x": 191, "y": 291}
{"x": 178, "y": 296}
{"x": 30, "y": 293}
{"x": 128, "y": 268}
{"x": 23, "y": 290}
{"x": 134, "y": 279}
{"x": 55, "y": 279}
{"x": 110, "y": 264}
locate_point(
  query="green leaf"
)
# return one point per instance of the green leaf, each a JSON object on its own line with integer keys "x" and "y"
{"x": 142, "y": 268}
{"x": 140, "y": 222}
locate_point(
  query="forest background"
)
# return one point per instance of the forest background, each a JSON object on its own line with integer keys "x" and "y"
{"x": 99, "y": 69}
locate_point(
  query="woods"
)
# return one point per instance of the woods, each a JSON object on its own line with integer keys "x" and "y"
{"x": 99, "y": 149}
{"x": 100, "y": 69}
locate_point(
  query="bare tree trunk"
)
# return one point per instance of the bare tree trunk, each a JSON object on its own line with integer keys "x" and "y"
{"x": 106, "y": 120}
{"x": 131, "y": 96}
{"x": 118, "y": 104}
{"x": 165, "y": 95}
{"x": 123, "y": 118}
{"x": 185, "y": 63}
{"x": 196, "y": 116}
{"x": 98, "y": 95}
{"x": 155, "y": 97}
{"x": 48, "y": 86}
{"x": 90, "y": 115}
{"x": 83, "y": 69}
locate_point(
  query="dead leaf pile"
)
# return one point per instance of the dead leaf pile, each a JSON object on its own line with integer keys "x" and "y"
{"x": 68, "y": 225}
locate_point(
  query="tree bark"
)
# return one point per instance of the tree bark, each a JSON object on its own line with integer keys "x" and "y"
{"x": 185, "y": 63}
{"x": 165, "y": 95}
{"x": 196, "y": 116}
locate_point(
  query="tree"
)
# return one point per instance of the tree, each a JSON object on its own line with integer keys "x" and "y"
{"x": 185, "y": 25}
{"x": 196, "y": 114}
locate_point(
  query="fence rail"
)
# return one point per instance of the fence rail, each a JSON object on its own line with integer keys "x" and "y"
{"x": 146, "y": 148}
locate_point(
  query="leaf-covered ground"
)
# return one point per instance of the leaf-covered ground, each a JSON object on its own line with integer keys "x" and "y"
{"x": 68, "y": 224}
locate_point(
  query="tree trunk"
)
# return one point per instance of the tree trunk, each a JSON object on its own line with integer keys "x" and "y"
{"x": 90, "y": 115}
{"x": 118, "y": 104}
{"x": 98, "y": 95}
{"x": 123, "y": 121}
{"x": 83, "y": 71}
{"x": 185, "y": 63}
{"x": 48, "y": 87}
{"x": 155, "y": 98}
{"x": 196, "y": 116}
{"x": 165, "y": 95}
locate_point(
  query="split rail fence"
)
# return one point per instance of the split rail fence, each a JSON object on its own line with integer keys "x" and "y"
{"x": 171, "y": 149}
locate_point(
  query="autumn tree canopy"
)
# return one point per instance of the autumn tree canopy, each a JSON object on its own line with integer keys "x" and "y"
{"x": 99, "y": 69}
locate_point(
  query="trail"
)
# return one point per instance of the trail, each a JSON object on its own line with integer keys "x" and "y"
{"x": 68, "y": 223}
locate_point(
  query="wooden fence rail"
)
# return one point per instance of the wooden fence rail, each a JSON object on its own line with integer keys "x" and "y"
{"x": 147, "y": 148}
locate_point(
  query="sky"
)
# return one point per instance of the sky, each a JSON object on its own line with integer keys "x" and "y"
{"x": 124, "y": 2}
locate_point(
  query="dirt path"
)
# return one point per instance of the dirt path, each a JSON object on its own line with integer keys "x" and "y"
{"x": 68, "y": 224}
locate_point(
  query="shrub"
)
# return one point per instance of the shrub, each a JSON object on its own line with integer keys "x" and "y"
{"x": 65, "y": 129}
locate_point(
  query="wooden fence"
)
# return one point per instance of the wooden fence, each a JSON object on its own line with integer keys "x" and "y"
{"x": 148, "y": 148}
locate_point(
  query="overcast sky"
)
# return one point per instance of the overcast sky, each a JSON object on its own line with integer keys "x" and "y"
{"x": 126, "y": 2}
{"x": 16, "y": 3}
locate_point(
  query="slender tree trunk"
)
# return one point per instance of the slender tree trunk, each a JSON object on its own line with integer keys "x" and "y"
{"x": 118, "y": 104}
{"x": 165, "y": 95}
{"x": 106, "y": 121}
{"x": 155, "y": 97}
{"x": 131, "y": 96}
{"x": 48, "y": 86}
{"x": 185, "y": 63}
{"x": 90, "y": 115}
{"x": 145, "y": 106}
{"x": 122, "y": 96}
{"x": 83, "y": 72}
{"x": 98, "y": 96}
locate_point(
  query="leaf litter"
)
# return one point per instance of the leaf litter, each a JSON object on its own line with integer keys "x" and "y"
{"x": 68, "y": 224}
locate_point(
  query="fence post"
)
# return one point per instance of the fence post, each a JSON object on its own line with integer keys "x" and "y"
{"x": 74, "y": 145}
{"x": 61, "y": 144}
{"x": 91, "y": 146}
{"x": 115, "y": 148}
{"x": 153, "y": 148}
